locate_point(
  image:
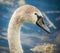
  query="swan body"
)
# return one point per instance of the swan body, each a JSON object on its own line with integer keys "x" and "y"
{"x": 26, "y": 13}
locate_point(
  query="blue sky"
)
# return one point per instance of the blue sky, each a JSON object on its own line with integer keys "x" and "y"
{"x": 31, "y": 35}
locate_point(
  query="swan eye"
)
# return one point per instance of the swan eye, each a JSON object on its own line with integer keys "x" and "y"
{"x": 35, "y": 13}
{"x": 38, "y": 16}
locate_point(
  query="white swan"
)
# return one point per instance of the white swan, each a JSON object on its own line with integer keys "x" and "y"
{"x": 26, "y": 13}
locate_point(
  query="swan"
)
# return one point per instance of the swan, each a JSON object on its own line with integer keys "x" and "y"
{"x": 23, "y": 14}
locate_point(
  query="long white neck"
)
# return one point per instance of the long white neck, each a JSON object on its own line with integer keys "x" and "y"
{"x": 14, "y": 36}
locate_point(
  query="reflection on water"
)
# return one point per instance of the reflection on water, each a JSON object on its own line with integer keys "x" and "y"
{"x": 3, "y": 40}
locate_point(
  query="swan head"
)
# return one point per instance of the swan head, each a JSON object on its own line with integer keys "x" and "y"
{"x": 33, "y": 15}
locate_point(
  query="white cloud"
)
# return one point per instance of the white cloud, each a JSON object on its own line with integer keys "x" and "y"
{"x": 21, "y": 2}
{"x": 58, "y": 18}
{"x": 10, "y": 9}
{"x": 28, "y": 39}
{"x": 5, "y": 48}
{"x": 6, "y": 2}
{"x": 57, "y": 39}
{"x": 1, "y": 0}
{"x": 44, "y": 37}
{"x": 4, "y": 29}
{"x": 52, "y": 12}
{"x": 5, "y": 16}
{"x": 12, "y": 2}
{"x": 3, "y": 37}
{"x": 26, "y": 27}
{"x": 4, "y": 33}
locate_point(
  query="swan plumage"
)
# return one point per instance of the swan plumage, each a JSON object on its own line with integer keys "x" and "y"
{"x": 26, "y": 13}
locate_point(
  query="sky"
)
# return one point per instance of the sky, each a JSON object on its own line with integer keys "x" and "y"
{"x": 31, "y": 35}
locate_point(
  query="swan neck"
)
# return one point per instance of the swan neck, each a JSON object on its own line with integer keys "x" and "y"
{"x": 14, "y": 37}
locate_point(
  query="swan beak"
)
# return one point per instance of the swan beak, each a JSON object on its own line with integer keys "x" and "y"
{"x": 41, "y": 24}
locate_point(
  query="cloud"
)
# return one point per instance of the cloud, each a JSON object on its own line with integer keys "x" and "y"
{"x": 26, "y": 40}
{"x": 4, "y": 29}
{"x": 12, "y": 2}
{"x": 3, "y": 37}
{"x": 21, "y": 2}
{"x": 1, "y": 0}
{"x": 26, "y": 27}
{"x": 4, "y": 49}
{"x": 49, "y": 12}
{"x": 6, "y": 2}
{"x": 57, "y": 39}
{"x": 58, "y": 18}
{"x": 5, "y": 16}
{"x": 30, "y": 39}
{"x": 44, "y": 38}
{"x": 10, "y": 9}
{"x": 4, "y": 33}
